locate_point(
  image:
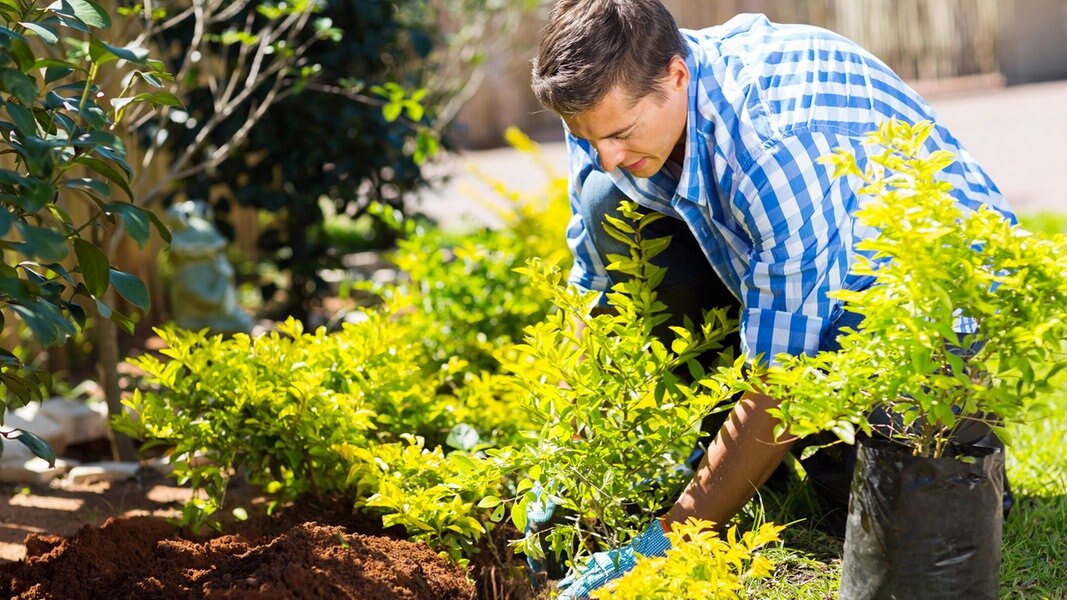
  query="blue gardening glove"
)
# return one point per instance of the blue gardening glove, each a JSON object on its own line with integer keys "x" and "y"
{"x": 605, "y": 566}
{"x": 538, "y": 514}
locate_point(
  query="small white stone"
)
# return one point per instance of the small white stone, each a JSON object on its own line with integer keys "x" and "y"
{"x": 110, "y": 471}
{"x": 81, "y": 422}
{"x": 15, "y": 453}
{"x": 33, "y": 471}
{"x": 30, "y": 418}
{"x": 160, "y": 464}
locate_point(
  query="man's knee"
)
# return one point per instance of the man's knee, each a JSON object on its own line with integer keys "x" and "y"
{"x": 600, "y": 198}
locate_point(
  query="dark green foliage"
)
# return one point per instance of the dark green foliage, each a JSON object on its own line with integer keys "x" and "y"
{"x": 328, "y": 140}
{"x": 56, "y": 128}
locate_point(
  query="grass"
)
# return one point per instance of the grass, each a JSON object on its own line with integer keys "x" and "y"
{"x": 1034, "y": 547}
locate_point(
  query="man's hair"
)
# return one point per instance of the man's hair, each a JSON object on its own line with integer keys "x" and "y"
{"x": 590, "y": 46}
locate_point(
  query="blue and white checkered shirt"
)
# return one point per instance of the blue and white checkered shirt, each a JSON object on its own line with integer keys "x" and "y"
{"x": 765, "y": 101}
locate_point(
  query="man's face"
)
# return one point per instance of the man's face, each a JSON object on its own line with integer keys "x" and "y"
{"x": 641, "y": 136}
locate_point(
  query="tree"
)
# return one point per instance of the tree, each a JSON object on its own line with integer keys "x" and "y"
{"x": 59, "y": 185}
{"x": 286, "y": 103}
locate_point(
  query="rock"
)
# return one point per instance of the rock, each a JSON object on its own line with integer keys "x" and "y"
{"x": 110, "y": 471}
{"x": 80, "y": 421}
{"x": 30, "y": 418}
{"x": 33, "y": 471}
{"x": 15, "y": 453}
{"x": 164, "y": 465}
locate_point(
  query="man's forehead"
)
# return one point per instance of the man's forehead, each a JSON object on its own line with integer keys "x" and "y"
{"x": 610, "y": 117}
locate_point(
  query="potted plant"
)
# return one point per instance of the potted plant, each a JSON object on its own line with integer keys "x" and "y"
{"x": 962, "y": 329}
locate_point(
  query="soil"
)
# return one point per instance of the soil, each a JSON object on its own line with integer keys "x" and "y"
{"x": 139, "y": 557}
{"x": 308, "y": 551}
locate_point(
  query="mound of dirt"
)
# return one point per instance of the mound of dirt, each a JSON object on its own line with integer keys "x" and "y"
{"x": 140, "y": 557}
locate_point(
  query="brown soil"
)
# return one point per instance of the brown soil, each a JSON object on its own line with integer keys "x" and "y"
{"x": 139, "y": 557}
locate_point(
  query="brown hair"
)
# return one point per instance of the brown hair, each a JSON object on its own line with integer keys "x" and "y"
{"x": 590, "y": 46}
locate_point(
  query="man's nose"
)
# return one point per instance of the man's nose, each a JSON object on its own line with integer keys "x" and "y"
{"x": 611, "y": 154}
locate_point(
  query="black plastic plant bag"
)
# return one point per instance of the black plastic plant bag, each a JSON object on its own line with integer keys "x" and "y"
{"x": 923, "y": 528}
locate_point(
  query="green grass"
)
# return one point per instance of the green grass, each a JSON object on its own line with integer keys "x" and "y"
{"x": 1035, "y": 536}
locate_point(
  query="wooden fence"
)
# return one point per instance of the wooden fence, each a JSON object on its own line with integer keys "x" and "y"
{"x": 920, "y": 39}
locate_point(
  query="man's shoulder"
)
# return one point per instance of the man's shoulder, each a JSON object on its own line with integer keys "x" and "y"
{"x": 753, "y": 39}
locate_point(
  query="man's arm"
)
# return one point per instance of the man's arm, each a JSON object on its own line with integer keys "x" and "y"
{"x": 740, "y": 458}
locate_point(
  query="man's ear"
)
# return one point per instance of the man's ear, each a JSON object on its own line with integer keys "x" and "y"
{"x": 677, "y": 74}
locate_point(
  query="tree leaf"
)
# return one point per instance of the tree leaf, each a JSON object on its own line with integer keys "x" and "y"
{"x": 94, "y": 266}
{"x": 43, "y": 242}
{"x": 123, "y": 321}
{"x": 134, "y": 218}
{"x": 85, "y": 11}
{"x": 43, "y": 31}
{"x": 391, "y": 111}
{"x": 107, "y": 171}
{"x": 90, "y": 185}
{"x": 36, "y": 444}
{"x": 131, "y": 288}
{"x": 23, "y": 119}
{"x": 18, "y": 84}
{"x": 102, "y": 52}
{"x": 160, "y": 227}
{"x": 22, "y": 53}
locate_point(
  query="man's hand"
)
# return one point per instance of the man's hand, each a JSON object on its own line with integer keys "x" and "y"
{"x": 605, "y": 566}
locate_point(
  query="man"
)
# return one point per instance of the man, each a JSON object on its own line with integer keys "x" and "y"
{"x": 721, "y": 129}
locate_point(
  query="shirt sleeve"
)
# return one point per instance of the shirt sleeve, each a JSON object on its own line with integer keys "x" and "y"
{"x": 588, "y": 272}
{"x": 800, "y": 223}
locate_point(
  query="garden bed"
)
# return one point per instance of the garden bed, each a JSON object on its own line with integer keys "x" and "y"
{"x": 142, "y": 557}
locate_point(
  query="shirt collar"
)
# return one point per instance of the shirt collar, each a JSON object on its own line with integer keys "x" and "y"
{"x": 694, "y": 126}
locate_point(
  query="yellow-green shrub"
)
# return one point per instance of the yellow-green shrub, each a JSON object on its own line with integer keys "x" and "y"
{"x": 701, "y": 565}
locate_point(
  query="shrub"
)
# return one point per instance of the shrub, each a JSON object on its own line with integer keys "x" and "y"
{"x": 700, "y": 565}
{"x": 616, "y": 420}
{"x": 278, "y": 407}
{"x": 935, "y": 266}
{"x": 467, "y": 292}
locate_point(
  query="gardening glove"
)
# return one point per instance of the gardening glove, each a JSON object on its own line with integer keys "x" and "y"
{"x": 538, "y": 514}
{"x": 605, "y": 566}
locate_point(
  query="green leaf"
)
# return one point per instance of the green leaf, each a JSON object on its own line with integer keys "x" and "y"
{"x": 102, "y": 52}
{"x": 107, "y": 171}
{"x": 6, "y": 221}
{"x": 518, "y": 515}
{"x": 94, "y": 266}
{"x": 18, "y": 84}
{"x": 22, "y": 118}
{"x": 131, "y": 288}
{"x": 160, "y": 227}
{"x": 46, "y": 33}
{"x": 103, "y": 309}
{"x": 160, "y": 98}
{"x": 134, "y": 218}
{"x": 85, "y": 11}
{"x": 89, "y": 185}
{"x": 38, "y": 446}
{"x": 391, "y": 111}
{"x": 43, "y": 242}
{"x": 20, "y": 50}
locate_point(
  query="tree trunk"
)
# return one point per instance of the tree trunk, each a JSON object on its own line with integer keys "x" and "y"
{"x": 107, "y": 351}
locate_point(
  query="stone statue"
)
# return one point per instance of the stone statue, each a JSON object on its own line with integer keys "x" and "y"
{"x": 202, "y": 290}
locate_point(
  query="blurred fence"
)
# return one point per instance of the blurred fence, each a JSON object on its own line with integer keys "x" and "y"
{"x": 920, "y": 39}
